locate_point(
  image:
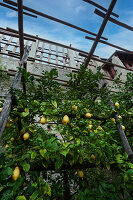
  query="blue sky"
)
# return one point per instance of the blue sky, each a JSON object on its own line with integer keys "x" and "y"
{"x": 79, "y": 13}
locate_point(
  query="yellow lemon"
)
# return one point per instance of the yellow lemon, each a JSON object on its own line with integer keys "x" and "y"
{"x": 120, "y": 117}
{"x": 88, "y": 115}
{"x": 65, "y": 119}
{"x": 123, "y": 127}
{"x": 43, "y": 120}
{"x": 116, "y": 104}
{"x": 93, "y": 157}
{"x": 75, "y": 107}
{"x": 26, "y": 136}
{"x": 12, "y": 139}
{"x": 90, "y": 126}
{"x": 80, "y": 173}
{"x": 16, "y": 173}
{"x": 0, "y": 109}
{"x": 112, "y": 119}
{"x": 6, "y": 146}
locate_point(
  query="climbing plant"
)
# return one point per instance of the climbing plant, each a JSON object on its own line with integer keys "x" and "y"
{"x": 63, "y": 143}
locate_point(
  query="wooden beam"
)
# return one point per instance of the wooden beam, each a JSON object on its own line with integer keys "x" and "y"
{"x": 109, "y": 44}
{"x": 100, "y": 32}
{"x": 52, "y": 18}
{"x": 15, "y": 9}
{"x": 99, "y": 6}
{"x": 20, "y": 27}
{"x": 106, "y": 62}
{"x": 98, "y": 12}
{"x": 5, "y": 32}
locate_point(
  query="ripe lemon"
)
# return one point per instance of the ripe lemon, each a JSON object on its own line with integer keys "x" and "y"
{"x": 0, "y": 109}
{"x": 112, "y": 119}
{"x": 123, "y": 127}
{"x": 6, "y": 146}
{"x": 65, "y": 119}
{"x": 8, "y": 124}
{"x": 116, "y": 104}
{"x": 16, "y": 173}
{"x": 26, "y": 136}
{"x": 43, "y": 120}
{"x": 93, "y": 157}
{"x": 80, "y": 173}
{"x": 75, "y": 107}
{"x": 120, "y": 117}
{"x": 90, "y": 126}
{"x": 88, "y": 115}
{"x": 12, "y": 139}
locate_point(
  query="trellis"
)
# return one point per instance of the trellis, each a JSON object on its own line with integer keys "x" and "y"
{"x": 54, "y": 55}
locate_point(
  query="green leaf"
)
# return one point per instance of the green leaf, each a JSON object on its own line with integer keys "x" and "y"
{"x": 9, "y": 171}
{"x": 58, "y": 163}
{"x": 34, "y": 184}
{"x": 65, "y": 152}
{"x": 24, "y": 114}
{"x": 18, "y": 183}
{"x": 77, "y": 141}
{"x": 33, "y": 155}
{"x": 42, "y": 152}
{"x": 27, "y": 155}
{"x": 48, "y": 190}
{"x": 26, "y": 167}
{"x": 130, "y": 165}
{"x": 54, "y": 103}
{"x": 6, "y": 172}
{"x": 108, "y": 166}
{"x": 26, "y": 110}
{"x": 119, "y": 159}
{"x": 20, "y": 198}
{"x": 34, "y": 195}
{"x": 43, "y": 104}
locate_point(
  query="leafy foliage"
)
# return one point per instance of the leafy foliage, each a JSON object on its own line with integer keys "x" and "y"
{"x": 67, "y": 147}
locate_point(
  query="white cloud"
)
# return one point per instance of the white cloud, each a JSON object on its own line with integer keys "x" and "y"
{"x": 11, "y": 14}
{"x": 79, "y": 9}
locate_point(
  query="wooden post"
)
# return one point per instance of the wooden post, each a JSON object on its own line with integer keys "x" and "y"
{"x": 20, "y": 27}
{"x": 100, "y": 32}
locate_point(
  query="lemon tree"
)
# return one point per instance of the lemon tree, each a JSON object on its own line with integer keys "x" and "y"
{"x": 62, "y": 142}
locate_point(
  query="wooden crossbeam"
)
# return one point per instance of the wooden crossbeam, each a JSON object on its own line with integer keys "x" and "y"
{"x": 100, "y": 32}
{"x": 15, "y": 9}
{"x": 52, "y": 18}
{"x": 109, "y": 44}
{"x": 7, "y": 44}
{"x": 101, "y": 14}
{"x": 99, "y": 6}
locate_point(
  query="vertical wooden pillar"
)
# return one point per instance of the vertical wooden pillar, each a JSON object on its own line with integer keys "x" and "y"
{"x": 20, "y": 27}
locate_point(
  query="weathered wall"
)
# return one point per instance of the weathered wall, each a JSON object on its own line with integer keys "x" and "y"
{"x": 35, "y": 68}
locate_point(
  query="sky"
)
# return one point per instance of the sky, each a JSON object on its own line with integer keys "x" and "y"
{"x": 78, "y": 13}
